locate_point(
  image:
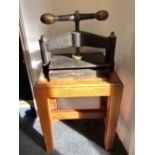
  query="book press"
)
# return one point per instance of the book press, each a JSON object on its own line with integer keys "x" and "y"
{"x": 77, "y": 60}
{"x": 84, "y": 71}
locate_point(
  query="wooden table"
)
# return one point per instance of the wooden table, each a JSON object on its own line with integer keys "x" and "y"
{"x": 46, "y": 93}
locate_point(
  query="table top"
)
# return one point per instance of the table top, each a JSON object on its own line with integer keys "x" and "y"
{"x": 82, "y": 77}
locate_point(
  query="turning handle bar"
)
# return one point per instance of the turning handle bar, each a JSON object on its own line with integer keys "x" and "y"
{"x": 49, "y": 18}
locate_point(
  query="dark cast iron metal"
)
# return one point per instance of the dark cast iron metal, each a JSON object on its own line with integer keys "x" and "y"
{"x": 77, "y": 39}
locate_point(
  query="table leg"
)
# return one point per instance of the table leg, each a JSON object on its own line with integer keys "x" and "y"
{"x": 43, "y": 107}
{"x": 113, "y": 107}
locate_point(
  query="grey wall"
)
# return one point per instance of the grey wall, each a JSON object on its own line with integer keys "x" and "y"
{"x": 121, "y": 21}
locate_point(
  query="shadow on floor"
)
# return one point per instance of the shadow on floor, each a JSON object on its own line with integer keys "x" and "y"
{"x": 94, "y": 131}
{"x": 26, "y": 125}
{"x": 91, "y": 129}
{"x": 32, "y": 142}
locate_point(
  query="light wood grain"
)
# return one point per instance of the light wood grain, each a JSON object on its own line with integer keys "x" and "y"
{"x": 44, "y": 112}
{"x": 46, "y": 93}
{"x": 53, "y": 103}
{"x": 79, "y": 91}
{"x": 77, "y": 114}
{"x": 113, "y": 107}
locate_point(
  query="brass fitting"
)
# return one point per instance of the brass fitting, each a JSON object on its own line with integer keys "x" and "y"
{"x": 77, "y": 57}
{"x": 49, "y": 18}
{"x": 101, "y": 15}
